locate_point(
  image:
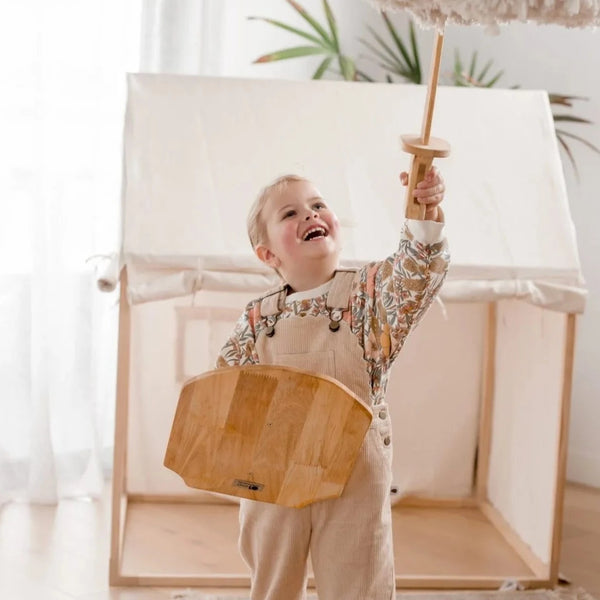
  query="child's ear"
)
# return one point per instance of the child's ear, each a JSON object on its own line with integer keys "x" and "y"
{"x": 266, "y": 256}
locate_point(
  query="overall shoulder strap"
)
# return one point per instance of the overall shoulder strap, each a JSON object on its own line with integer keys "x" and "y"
{"x": 273, "y": 302}
{"x": 339, "y": 293}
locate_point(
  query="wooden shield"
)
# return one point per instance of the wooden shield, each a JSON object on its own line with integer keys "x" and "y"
{"x": 269, "y": 433}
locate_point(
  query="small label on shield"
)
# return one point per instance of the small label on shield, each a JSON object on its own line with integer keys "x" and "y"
{"x": 253, "y": 486}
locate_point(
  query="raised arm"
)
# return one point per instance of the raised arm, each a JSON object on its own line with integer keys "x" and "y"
{"x": 391, "y": 296}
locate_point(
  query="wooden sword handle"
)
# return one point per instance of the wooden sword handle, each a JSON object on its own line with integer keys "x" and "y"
{"x": 419, "y": 165}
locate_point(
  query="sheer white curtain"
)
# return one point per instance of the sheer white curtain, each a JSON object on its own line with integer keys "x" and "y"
{"x": 62, "y": 95}
{"x": 184, "y": 36}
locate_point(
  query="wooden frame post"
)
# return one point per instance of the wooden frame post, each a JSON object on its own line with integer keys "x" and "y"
{"x": 559, "y": 494}
{"x": 119, "y": 490}
{"x": 488, "y": 381}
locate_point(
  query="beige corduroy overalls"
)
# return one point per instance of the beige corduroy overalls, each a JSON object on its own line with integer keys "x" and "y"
{"x": 350, "y": 537}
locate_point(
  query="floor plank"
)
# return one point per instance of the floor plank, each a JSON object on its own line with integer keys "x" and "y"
{"x": 61, "y": 553}
{"x": 580, "y": 551}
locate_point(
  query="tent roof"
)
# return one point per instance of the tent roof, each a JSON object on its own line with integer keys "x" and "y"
{"x": 198, "y": 150}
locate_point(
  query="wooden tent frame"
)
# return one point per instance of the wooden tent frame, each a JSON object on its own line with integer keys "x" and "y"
{"x": 545, "y": 575}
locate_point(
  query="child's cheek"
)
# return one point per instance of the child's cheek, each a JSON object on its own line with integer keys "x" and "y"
{"x": 289, "y": 236}
{"x": 335, "y": 224}
{"x": 336, "y": 231}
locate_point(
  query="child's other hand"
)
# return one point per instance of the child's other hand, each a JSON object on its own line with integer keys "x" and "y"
{"x": 429, "y": 192}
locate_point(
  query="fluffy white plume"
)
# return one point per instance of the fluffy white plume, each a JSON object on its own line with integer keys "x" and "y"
{"x": 570, "y": 13}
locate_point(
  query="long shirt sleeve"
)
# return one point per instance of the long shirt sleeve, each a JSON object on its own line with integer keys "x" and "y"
{"x": 391, "y": 296}
{"x": 239, "y": 349}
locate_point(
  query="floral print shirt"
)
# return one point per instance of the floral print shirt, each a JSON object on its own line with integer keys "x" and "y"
{"x": 388, "y": 299}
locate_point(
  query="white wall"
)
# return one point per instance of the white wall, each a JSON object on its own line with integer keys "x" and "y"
{"x": 551, "y": 58}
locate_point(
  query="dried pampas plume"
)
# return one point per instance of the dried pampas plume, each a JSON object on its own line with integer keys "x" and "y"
{"x": 437, "y": 13}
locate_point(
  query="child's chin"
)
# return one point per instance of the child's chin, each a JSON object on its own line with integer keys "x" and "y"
{"x": 324, "y": 246}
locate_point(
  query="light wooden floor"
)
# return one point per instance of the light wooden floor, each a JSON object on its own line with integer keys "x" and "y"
{"x": 61, "y": 553}
{"x": 202, "y": 539}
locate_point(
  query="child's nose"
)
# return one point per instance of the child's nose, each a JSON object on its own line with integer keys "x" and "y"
{"x": 311, "y": 214}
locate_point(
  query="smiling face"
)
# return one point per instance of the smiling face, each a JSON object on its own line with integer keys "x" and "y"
{"x": 302, "y": 235}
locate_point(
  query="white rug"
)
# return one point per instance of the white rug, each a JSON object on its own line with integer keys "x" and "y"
{"x": 557, "y": 594}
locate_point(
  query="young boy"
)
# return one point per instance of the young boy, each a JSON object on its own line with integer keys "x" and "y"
{"x": 349, "y": 325}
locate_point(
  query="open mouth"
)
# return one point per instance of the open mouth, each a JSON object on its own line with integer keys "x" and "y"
{"x": 315, "y": 233}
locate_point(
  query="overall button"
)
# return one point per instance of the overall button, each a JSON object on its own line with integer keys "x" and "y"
{"x": 382, "y": 414}
{"x": 335, "y": 316}
{"x": 270, "y": 331}
{"x": 387, "y": 440}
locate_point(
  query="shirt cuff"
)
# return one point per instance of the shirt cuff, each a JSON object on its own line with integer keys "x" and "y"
{"x": 426, "y": 232}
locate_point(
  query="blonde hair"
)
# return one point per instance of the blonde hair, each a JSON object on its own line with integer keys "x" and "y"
{"x": 257, "y": 231}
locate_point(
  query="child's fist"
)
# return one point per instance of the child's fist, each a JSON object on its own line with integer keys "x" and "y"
{"x": 429, "y": 192}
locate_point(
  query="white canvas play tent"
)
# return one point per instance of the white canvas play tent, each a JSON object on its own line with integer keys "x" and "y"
{"x": 480, "y": 393}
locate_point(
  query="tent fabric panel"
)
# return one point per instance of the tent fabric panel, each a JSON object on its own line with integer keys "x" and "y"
{"x": 172, "y": 341}
{"x": 434, "y": 397}
{"x": 526, "y": 420}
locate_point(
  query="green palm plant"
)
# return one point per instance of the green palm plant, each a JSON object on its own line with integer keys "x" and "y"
{"x": 397, "y": 57}
{"x": 471, "y": 78}
{"x": 324, "y": 38}
{"x": 561, "y": 134}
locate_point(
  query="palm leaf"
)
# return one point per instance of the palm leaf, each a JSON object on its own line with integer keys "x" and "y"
{"x": 486, "y": 68}
{"x": 395, "y": 67}
{"x": 415, "y": 48}
{"x": 304, "y": 34}
{"x": 564, "y": 100}
{"x": 473, "y": 63}
{"x": 323, "y": 67}
{"x": 571, "y": 119}
{"x": 347, "y": 67}
{"x": 458, "y": 69}
{"x": 296, "y": 52}
{"x": 569, "y": 153}
{"x": 397, "y": 40}
{"x": 332, "y": 25}
{"x": 392, "y": 61}
{"x": 579, "y": 139}
{"x": 494, "y": 79}
{"x": 386, "y": 48}
{"x": 362, "y": 76}
{"x": 469, "y": 79}
{"x": 311, "y": 21}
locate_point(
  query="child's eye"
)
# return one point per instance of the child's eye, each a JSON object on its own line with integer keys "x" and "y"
{"x": 319, "y": 205}
{"x": 289, "y": 213}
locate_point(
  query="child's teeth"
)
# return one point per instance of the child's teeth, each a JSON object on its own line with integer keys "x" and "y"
{"x": 319, "y": 230}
